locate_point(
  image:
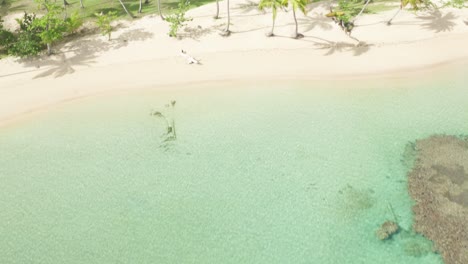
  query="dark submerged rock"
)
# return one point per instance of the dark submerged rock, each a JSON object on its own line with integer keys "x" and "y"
{"x": 387, "y": 230}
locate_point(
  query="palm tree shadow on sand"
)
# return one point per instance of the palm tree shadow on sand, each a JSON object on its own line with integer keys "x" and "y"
{"x": 196, "y": 33}
{"x": 341, "y": 46}
{"x": 249, "y": 6}
{"x": 434, "y": 20}
{"x": 438, "y": 22}
{"x": 81, "y": 52}
{"x": 309, "y": 23}
{"x": 332, "y": 47}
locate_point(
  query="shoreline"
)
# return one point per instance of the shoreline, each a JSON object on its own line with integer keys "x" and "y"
{"x": 437, "y": 71}
{"x": 142, "y": 56}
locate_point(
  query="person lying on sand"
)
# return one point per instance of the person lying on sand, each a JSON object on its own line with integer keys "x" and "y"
{"x": 190, "y": 59}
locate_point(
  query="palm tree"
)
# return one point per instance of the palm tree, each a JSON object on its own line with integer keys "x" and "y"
{"x": 125, "y": 8}
{"x": 227, "y": 32}
{"x": 274, "y": 5}
{"x": 217, "y": 10}
{"x": 414, "y": 4}
{"x": 159, "y": 10}
{"x": 301, "y": 5}
{"x": 343, "y": 19}
{"x": 362, "y": 10}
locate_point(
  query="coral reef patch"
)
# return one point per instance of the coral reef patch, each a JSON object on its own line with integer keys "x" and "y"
{"x": 438, "y": 183}
{"x": 387, "y": 230}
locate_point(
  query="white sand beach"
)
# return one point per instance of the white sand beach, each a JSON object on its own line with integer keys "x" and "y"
{"x": 141, "y": 55}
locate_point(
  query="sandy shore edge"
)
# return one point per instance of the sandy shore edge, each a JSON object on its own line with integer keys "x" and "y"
{"x": 141, "y": 56}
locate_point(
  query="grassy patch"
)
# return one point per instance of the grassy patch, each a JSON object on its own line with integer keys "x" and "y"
{"x": 97, "y": 6}
{"x": 382, "y": 5}
{"x": 353, "y": 7}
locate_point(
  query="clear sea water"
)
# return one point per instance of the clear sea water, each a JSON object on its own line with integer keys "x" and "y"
{"x": 260, "y": 173}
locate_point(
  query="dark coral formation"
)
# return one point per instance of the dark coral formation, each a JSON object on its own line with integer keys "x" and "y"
{"x": 439, "y": 185}
{"x": 387, "y": 230}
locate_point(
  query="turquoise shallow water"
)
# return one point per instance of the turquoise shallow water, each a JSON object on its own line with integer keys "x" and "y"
{"x": 283, "y": 173}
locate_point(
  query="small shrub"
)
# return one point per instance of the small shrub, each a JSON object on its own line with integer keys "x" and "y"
{"x": 52, "y": 24}
{"x": 348, "y": 10}
{"x": 104, "y": 22}
{"x": 6, "y": 38}
{"x": 28, "y": 41}
{"x": 456, "y": 3}
{"x": 26, "y": 22}
{"x": 178, "y": 19}
{"x": 73, "y": 22}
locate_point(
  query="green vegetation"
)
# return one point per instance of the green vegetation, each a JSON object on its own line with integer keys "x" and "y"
{"x": 104, "y": 23}
{"x": 27, "y": 41}
{"x": 456, "y": 3}
{"x": 379, "y": 6}
{"x": 56, "y": 20}
{"x": 53, "y": 21}
{"x": 36, "y": 33}
{"x": 178, "y": 19}
{"x": 6, "y": 38}
{"x": 51, "y": 27}
{"x": 301, "y": 5}
{"x": 274, "y": 5}
{"x": 73, "y": 22}
{"x": 348, "y": 8}
{"x": 348, "y": 12}
{"x": 416, "y": 4}
{"x": 92, "y": 7}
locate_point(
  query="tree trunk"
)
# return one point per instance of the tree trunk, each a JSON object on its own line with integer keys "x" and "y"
{"x": 81, "y": 3}
{"x": 65, "y": 3}
{"x": 126, "y": 11}
{"x": 272, "y": 33}
{"x": 226, "y": 31}
{"x": 389, "y": 22}
{"x": 228, "y": 18}
{"x": 49, "y": 49}
{"x": 362, "y": 10}
{"x": 295, "y": 21}
{"x": 160, "y": 11}
{"x": 217, "y": 10}
{"x": 139, "y": 9}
